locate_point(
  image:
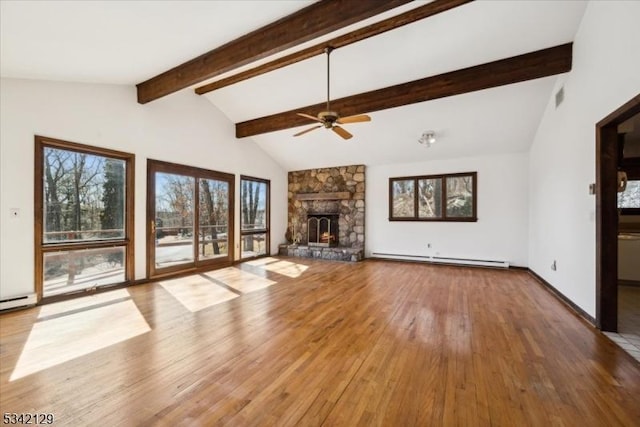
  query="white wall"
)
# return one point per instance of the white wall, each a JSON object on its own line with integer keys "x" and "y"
{"x": 181, "y": 128}
{"x": 605, "y": 75}
{"x": 500, "y": 233}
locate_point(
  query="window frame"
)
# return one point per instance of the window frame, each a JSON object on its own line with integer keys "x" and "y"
{"x": 416, "y": 206}
{"x": 267, "y": 230}
{"x": 42, "y": 248}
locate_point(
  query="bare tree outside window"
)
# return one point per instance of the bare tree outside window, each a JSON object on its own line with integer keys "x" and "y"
{"x": 213, "y": 217}
{"x": 73, "y": 196}
{"x": 430, "y": 198}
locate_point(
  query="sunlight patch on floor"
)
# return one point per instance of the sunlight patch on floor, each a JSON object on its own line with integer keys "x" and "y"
{"x": 197, "y": 292}
{"x": 286, "y": 268}
{"x": 81, "y": 303}
{"x": 242, "y": 281}
{"x": 261, "y": 261}
{"x": 71, "y": 329}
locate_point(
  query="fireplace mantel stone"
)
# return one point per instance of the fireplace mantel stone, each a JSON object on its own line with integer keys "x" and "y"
{"x": 342, "y": 195}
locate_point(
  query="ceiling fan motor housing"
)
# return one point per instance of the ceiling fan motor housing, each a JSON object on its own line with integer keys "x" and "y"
{"x": 328, "y": 118}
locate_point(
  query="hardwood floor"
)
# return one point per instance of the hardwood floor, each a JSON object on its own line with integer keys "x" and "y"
{"x": 312, "y": 343}
{"x": 628, "y": 335}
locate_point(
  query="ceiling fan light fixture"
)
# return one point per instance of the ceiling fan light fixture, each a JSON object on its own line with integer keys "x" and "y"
{"x": 428, "y": 138}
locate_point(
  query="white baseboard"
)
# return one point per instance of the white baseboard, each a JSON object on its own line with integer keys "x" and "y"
{"x": 21, "y": 301}
{"x": 443, "y": 260}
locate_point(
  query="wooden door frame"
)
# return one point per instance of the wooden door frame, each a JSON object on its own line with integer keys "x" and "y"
{"x": 607, "y": 214}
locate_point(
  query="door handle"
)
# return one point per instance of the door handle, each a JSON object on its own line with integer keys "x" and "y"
{"x": 622, "y": 181}
{"x": 153, "y": 226}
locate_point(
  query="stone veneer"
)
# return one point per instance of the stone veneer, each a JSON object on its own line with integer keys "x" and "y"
{"x": 318, "y": 187}
{"x": 334, "y": 254}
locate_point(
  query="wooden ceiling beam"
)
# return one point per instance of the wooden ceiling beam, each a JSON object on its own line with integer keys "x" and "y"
{"x": 306, "y": 24}
{"x": 422, "y": 12}
{"x": 534, "y": 65}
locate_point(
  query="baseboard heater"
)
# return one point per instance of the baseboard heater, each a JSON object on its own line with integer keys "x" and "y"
{"x": 443, "y": 260}
{"x": 17, "y": 302}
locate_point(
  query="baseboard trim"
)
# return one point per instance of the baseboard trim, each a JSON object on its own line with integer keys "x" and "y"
{"x": 563, "y": 298}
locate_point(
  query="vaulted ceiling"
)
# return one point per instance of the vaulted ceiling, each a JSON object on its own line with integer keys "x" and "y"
{"x": 492, "y": 106}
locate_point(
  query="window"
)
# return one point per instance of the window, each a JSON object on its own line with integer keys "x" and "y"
{"x": 254, "y": 217}
{"x": 629, "y": 199}
{"x": 84, "y": 223}
{"x": 450, "y": 197}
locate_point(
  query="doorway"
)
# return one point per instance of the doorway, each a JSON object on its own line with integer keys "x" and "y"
{"x": 189, "y": 219}
{"x": 608, "y": 159}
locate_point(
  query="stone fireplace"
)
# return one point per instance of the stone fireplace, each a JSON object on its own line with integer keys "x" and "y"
{"x": 326, "y": 213}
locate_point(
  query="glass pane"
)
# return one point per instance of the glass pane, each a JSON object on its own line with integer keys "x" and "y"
{"x": 430, "y": 198}
{"x": 214, "y": 219}
{"x": 253, "y": 198}
{"x": 460, "y": 196}
{"x": 630, "y": 197}
{"x": 69, "y": 271}
{"x": 254, "y": 245}
{"x": 403, "y": 198}
{"x": 174, "y": 219}
{"x": 84, "y": 196}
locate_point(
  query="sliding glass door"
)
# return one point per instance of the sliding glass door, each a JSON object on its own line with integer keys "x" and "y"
{"x": 190, "y": 218}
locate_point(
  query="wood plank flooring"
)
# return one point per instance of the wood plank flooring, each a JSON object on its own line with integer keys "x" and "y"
{"x": 374, "y": 343}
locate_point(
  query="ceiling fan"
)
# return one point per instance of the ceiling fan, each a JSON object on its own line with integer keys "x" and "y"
{"x": 331, "y": 119}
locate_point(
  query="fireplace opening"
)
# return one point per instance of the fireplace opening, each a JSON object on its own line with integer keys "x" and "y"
{"x": 322, "y": 229}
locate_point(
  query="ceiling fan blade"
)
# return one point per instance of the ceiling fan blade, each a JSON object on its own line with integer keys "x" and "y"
{"x": 308, "y": 130}
{"x": 343, "y": 133}
{"x": 309, "y": 117}
{"x": 354, "y": 119}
